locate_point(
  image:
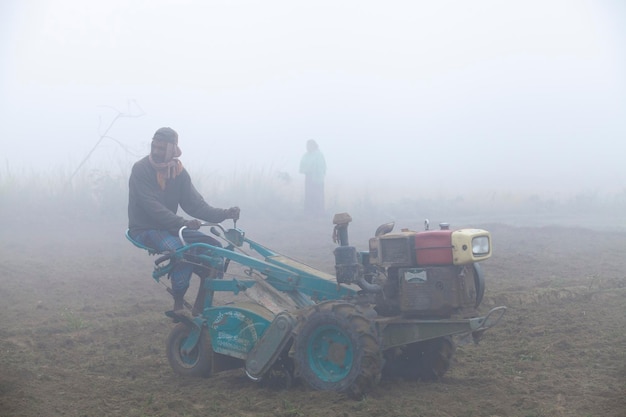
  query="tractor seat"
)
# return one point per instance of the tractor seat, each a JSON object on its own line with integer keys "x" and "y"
{"x": 151, "y": 251}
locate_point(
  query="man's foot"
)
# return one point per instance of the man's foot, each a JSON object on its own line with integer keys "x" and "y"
{"x": 183, "y": 312}
{"x": 179, "y": 305}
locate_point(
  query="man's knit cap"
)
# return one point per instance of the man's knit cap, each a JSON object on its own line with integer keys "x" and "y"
{"x": 166, "y": 134}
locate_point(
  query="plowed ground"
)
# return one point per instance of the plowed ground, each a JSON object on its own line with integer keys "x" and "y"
{"x": 82, "y": 331}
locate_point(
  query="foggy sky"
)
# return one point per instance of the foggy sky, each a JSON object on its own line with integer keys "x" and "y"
{"x": 443, "y": 95}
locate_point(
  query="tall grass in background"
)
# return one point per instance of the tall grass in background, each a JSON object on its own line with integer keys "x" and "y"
{"x": 89, "y": 194}
{"x": 274, "y": 195}
{"x": 261, "y": 192}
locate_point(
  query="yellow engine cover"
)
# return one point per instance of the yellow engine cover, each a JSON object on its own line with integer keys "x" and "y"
{"x": 462, "y": 243}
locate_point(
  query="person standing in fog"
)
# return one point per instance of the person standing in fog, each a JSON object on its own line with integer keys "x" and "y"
{"x": 313, "y": 166}
{"x": 158, "y": 185}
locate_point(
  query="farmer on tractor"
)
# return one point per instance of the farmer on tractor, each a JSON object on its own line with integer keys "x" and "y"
{"x": 158, "y": 185}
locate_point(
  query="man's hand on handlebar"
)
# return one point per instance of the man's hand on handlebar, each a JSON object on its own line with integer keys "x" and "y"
{"x": 193, "y": 224}
{"x": 232, "y": 213}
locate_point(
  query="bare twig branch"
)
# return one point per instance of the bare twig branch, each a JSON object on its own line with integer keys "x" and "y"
{"x": 132, "y": 104}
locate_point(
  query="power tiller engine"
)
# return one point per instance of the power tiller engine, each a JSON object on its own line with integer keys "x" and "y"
{"x": 428, "y": 274}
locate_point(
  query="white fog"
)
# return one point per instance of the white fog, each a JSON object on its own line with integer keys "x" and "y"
{"x": 444, "y": 98}
{"x": 503, "y": 118}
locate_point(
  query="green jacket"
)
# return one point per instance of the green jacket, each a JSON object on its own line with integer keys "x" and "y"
{"x": 313, "y": 165}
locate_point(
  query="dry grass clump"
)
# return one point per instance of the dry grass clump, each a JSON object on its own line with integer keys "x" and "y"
{"x": 269, "y": 193}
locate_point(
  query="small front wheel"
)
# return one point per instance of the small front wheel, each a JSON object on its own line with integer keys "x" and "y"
{"x": 198, "y": 362}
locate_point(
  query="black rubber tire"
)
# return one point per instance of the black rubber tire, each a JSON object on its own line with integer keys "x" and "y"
{"x": 428, "y": 360}
{"x": 337, "y": 348}
{"x": 436, "y": 358}
{"x": 199, "y": 362}
{"x": 479, "y": 283}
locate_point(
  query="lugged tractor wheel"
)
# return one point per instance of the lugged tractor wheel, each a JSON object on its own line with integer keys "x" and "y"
{"x": 198, "y": 362}
{"x": 428, "y": 360}
{"x": 436, "y": 358}
{"x": 337, "y": 348}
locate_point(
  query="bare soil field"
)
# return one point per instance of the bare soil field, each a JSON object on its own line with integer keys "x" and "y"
{"x": 82, "y": 330}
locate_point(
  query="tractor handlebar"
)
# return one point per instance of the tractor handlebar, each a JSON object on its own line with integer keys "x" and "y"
{"x": 213, "y": 230}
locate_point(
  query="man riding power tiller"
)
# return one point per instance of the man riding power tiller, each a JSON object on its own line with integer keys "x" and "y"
{"x": 158, "y": 185}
